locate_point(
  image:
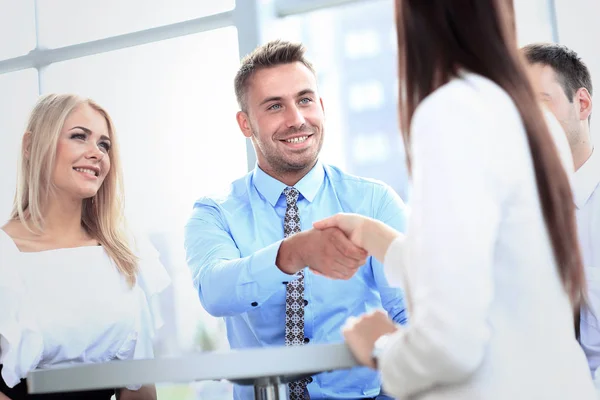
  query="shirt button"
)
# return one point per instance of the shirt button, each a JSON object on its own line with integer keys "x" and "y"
{"x": 305, "y": 303}
{"x": 254, "y": 304}
{"x": 306, "y": 340}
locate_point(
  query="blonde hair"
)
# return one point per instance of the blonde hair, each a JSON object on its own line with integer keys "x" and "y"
{"x": 102, "y": 215}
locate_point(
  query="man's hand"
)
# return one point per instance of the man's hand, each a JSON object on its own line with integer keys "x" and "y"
{"x": 327, "y": 252}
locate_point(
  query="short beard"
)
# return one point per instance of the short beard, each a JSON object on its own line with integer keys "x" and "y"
{"x": 281, "y": 166}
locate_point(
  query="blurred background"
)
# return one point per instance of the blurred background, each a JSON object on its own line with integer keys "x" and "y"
{"x": 164, "y": 70}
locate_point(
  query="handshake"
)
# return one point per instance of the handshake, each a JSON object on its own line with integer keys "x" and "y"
{"x": 336, "y": 247}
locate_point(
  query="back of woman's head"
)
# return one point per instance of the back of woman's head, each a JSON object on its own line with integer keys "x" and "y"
{"x": 102, "y": 215}
{"x": 437, "y": 39}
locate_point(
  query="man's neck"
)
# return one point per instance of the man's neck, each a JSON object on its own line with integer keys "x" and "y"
{"x": 581, "y": 153}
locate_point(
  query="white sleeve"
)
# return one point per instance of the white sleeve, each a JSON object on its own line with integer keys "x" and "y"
{"x": 21, "y": 344}
{"x": 139, "y": 344}
{"x": 449, "y": 246}
{"x": 152, "y": 278}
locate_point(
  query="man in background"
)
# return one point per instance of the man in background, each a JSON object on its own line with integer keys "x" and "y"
{"x": 564, "y": 84}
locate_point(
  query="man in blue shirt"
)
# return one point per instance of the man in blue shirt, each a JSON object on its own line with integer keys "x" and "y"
{"x": 255, "y": 259}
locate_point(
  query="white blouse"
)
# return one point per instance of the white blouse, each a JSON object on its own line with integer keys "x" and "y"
{"x": 72, "y": 306}
{"x": 490, "y": 318}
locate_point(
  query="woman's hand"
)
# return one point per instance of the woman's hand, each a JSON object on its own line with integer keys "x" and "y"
{"x": 362, "y": 332}
{"x": 372, "y": 235}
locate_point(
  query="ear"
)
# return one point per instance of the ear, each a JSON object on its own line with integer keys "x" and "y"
{"x": 26, "y": 145}
{"x": 322, "y": 106}
{"x": 243, "y": 121}
{"x": 585, "y": 103}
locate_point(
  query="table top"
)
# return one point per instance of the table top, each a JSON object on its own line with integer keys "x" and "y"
{"x": 245, "y": 366}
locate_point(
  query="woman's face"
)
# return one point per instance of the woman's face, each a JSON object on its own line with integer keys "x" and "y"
{"x": 82, "y": 154}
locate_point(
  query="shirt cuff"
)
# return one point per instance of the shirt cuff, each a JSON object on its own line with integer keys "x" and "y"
{"x": 394, "y": 262}
{"x": 264, "y": 272}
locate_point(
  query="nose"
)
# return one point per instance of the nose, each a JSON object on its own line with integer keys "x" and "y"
{"x": 94, "y": 153}
{"x": 294, "y": 118}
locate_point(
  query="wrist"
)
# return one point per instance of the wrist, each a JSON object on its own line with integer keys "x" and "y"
{"x": 289, "y": 260}
{"x": 379, "y": 347}
{"x": 378, "y": 237}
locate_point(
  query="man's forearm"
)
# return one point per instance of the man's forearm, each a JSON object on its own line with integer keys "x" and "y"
{"x": 232, "y": 287}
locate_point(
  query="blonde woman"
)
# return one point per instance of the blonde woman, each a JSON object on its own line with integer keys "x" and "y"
{"x": 73, "y": 287}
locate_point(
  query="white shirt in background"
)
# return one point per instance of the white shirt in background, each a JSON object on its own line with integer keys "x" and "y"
{"x": 586, "y": 188}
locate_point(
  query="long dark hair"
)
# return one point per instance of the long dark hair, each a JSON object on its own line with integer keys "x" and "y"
{"x": 436, "y": 38}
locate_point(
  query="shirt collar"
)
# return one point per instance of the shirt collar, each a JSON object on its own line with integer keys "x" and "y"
{"x": 586, "y": 179}
{"x": 271, "y": 189}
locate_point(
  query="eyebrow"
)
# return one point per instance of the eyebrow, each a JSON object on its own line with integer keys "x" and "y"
{"x": 89, "y": 132}
{"x": 279, "y": 98}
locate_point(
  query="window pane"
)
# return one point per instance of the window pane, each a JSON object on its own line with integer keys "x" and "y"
{"x": 18, "y": 93}
{"x": 173, "y": 106}
{"x": 67, "y": 22}
{"x": 174, "y": 109}
{"x": 17, "y": 28}
{"x": 354, "y": 51}
{"x": 534, "y": 21}
{"x": 573, "y": 15}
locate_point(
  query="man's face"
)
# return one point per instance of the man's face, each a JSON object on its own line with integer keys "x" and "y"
{"x": 551, "y": 93}
{"x": 284, "y": 118}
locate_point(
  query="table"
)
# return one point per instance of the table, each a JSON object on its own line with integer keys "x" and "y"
{"x": 267, "y": 369}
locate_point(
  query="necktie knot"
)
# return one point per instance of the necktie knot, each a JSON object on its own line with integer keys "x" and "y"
{"x": 291, "y": 195}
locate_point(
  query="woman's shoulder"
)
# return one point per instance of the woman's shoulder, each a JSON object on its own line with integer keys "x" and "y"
{"x": 467, "y": 96}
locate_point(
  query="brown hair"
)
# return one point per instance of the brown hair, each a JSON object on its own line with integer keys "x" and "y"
{"x": 436, "y": 38}
{"x": 273, "y": 53}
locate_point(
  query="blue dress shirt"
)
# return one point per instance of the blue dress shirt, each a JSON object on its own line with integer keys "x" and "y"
{"x": 232, "y": 242}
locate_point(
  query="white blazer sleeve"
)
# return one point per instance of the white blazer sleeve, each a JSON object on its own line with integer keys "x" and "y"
{"x": 152, "y": 278}
{"x": 449, "y": 245}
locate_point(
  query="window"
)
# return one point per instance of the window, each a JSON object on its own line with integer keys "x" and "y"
{"x": 354, "y": 50}
{"x": 534, "y": 21}
{"x": 174, "y": 108}
{"x": 67, "y": 22}
{"x": 17, "y": 28}
{"x": 18, "y": 93}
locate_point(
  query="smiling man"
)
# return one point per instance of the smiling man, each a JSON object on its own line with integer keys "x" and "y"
{"x": 254, "y": 256}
